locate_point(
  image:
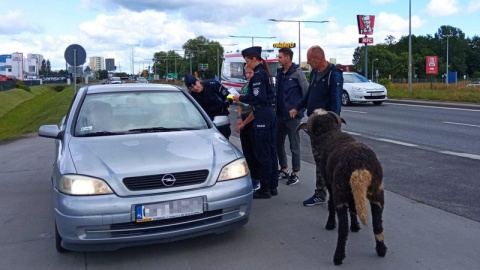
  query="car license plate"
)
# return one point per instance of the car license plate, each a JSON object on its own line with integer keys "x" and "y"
{"x": 377, "y": 93}
{"x": 169, "y": 209}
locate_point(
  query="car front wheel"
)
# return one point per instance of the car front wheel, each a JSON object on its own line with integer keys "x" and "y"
{"x": 345, "y": 99}
{"x": 58, "y": 242}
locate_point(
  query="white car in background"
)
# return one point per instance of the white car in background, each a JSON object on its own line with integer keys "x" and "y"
{"x": 357, "y": 88}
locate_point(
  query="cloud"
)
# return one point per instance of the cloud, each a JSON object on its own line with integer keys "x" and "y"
{"x": 441, "y": 8}
{"x": 14, "y": 22}
{"x": 473, "y": 6}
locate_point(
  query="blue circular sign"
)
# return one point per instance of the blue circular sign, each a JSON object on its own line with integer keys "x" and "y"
{"x": 75, "y": 55}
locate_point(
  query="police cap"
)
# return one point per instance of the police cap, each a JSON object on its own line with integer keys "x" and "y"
{"x": 255, "y": 50}
{"x": 189, "y": 80}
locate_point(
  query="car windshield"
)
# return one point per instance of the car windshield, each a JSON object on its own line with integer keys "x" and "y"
{"x": 108, "y": 114}
{"x": 353, "y": 78}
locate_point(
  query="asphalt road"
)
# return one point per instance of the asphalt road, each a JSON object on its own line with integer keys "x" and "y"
{"x": 429, "y": 151}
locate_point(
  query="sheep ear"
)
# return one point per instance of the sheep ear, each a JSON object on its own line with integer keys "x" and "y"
{"x": 302, "y": 126}
{"x": 343, "y": 121}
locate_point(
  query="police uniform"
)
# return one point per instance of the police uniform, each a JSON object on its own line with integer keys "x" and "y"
{"x": 213, "y": 100}
{"x": 261, "y": 97}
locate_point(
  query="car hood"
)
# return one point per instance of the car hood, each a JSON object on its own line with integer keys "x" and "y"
{"x": 366, "y": 85}
{"x": 114, "y": 157}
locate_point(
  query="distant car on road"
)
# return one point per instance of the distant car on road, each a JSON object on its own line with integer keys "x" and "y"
{"x": 143, "y": 163}
{"x": 357, "y": 88}
{"x": 474, "y": 84}
{"x": 116, "y": 80}
{"x": 142, "y": 80}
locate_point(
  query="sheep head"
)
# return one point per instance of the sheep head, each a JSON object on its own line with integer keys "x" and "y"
{"x": 321, "y": 121}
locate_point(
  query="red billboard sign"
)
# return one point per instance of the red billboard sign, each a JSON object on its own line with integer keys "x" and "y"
{"x": 366, "y": 40}
{"x": 431, "y": 66}
{"x": 365, "y": 24}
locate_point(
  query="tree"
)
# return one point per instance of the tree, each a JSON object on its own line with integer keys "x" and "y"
{"x": 48, "y": 67}
{"x": 473, "y": 55}
{"x": 43, "y": 68}
{"x": 390, "y": 40}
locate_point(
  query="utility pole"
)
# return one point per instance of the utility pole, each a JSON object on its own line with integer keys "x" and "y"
{"x": 132, "y": 67}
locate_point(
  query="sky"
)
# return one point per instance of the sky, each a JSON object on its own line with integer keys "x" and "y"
{"x": 115, "y": 28}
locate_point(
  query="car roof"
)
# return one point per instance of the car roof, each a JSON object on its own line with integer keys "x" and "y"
{"x": 106, "y": 88}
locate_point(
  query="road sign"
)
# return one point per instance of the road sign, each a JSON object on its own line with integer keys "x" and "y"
{"x": 365, "y": 40}
{"x": 75, "y": 55}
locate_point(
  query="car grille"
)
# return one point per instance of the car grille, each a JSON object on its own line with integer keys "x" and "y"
{"x": 164, "y": 226}
{"x": 155, "y": 181}
{"x": 374, "y": 97}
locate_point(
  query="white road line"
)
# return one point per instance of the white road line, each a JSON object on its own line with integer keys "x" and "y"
{"x": 398, "y": 142}
{"x": 353, "y": 111}
{"x": 435, "y": 107}
{"x": 353, "y": 133}
{"x": 461, "y": 124}
{"x": 472, "y": 156}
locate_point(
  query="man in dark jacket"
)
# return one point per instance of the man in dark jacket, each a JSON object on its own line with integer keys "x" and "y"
{"x": 212, "y": 96}
{"x": 325, "y": 92}
{"x": 292, "y": 86}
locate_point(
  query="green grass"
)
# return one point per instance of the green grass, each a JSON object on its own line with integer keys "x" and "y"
{"x": 44, "y": 107}
{"x": 12, "y": 98}
{"x": 435, "y": 92}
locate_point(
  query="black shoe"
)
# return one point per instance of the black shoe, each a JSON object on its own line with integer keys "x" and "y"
{"x": 274, "y": 191}
{"x": 292, "y": 180}
{"x": 260, "y": 194}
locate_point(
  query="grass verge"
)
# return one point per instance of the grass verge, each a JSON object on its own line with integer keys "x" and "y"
{"x": 45, "y": 107}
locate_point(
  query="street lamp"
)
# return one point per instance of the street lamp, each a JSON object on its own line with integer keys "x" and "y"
{"x": 299, "y": 56}
{"x": 446, "y": 74}
{"x": 249, "y": 37}
{"x": 372, "y": 67}
{"x": 132, "y": 68}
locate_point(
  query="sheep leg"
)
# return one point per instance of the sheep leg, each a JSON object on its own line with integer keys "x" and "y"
{"x": 342, "y": 213}
{"x": 354, "y": 225}
{"x": 331, "y": 221}
{"x": 377, "y": 209}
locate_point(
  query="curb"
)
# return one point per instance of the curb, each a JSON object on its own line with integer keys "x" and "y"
{"x": 447, "y": 104}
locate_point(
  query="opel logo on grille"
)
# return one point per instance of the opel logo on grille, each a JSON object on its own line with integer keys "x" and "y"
{"x": 168, "y": 180}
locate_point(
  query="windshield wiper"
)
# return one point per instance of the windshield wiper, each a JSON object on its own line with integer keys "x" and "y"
{"x": 100, "y": 133}
{"x": 157, "y": 129}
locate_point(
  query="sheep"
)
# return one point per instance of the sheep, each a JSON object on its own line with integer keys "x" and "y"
{"x": 352, "y": 175}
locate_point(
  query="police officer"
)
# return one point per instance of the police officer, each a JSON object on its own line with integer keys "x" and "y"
{"x": 212, "y": 96}
{"x": 261, "y": 98}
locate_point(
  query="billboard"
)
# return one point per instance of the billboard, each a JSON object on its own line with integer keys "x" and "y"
{"x": 431, "y": 66}
{"x": 365, "y": 24}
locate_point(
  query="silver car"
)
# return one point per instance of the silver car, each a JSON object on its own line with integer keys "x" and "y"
{"x": 142, "y": 163}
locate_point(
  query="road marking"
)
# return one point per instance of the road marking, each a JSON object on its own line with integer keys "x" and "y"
{"x": 398, "y": 142}
{"x": 353, "y": 111}
{"x": 435, "y": 107}
{"x": 353, "y": 133}
{"x": 461, "y": 124}
{"x": 472, "y": 156}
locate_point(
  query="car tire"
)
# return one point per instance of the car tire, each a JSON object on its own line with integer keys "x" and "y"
{"x": 346, "y": 99}
{"x": 58, "y": 241}
{"x": 378, "y": 103}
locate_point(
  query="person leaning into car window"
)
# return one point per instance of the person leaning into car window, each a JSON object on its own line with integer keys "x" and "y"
{"x": 212, "y": 96}
{"x": 261, "y": 97}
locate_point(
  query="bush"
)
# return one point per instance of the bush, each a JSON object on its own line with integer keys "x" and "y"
{"x": 58, "y": 88}
{"x": 384, "y": 81}
{"x": 21, "y": 85}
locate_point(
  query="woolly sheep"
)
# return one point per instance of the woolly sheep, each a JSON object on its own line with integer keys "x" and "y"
{"x": 353, "y": 176}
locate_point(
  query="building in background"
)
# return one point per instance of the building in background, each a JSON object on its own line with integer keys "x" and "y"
{"x": 4, "y": 68}
{"x": 110, "y": 64}
{"x": 96, "y": 63}
{"x": 17, "y": 64}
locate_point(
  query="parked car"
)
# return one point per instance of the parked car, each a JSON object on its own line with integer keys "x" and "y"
{"x": 357, "y": 88}
{"x": 143, "y": 163}
{"x": 142, "y": 80}
{"x": 474, "y": 84}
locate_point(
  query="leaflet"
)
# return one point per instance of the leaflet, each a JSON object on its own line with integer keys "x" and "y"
{"x": 233, "y": 91}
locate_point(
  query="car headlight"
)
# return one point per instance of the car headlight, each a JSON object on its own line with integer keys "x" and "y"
{"x": 234, "y": 170}
{"x": 83, "y": 185}
{"x": 358, "y": 89}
